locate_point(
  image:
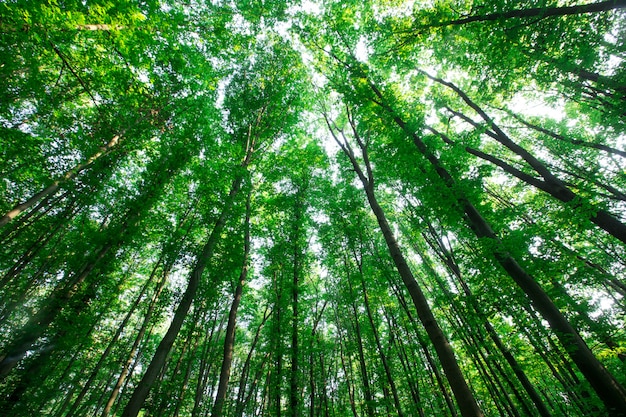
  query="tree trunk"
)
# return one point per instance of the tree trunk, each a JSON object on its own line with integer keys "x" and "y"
{"x": 599, "y": 146}
{"x": 69, "y": 176}
{"x": 138, "y": 338}
{"x": 38, "y": 324}
{"x": 540, "y": 12}
{"x": 158, "y": 360}
{"x": 346, "y": 366}
{"x": 550, "y": 184}
{"x": 246, "y": 366}
{"x": 294, "y": 391}
{"x": 367, "y": 389}
{"x": 381, "y": 352}
{"x": 446, "y": 257}
{"x": 94, "y": 373}
{"x": 229, "y": 341}
{"x": 431, "y": 363}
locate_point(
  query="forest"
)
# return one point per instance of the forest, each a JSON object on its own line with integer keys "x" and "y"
{"x": 323, "y": 208}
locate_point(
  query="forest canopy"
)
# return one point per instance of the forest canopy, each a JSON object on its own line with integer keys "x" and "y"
{"x": 323, "y": 208}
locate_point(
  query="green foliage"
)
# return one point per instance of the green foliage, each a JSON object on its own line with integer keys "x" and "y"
{"x": 126, "y": 129}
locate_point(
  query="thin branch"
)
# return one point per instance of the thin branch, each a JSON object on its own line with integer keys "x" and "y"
{"x": 75, "y": 74}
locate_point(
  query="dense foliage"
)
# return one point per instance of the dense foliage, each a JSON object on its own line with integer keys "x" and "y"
{"x": 263, "y": 208}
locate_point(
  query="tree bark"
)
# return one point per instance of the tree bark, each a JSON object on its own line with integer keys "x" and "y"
{"x": 346, "y": 366}
{"x": 38, "y": 323}
{"x": 431, "y": 363}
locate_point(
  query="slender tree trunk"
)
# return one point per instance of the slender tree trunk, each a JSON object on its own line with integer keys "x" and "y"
{"x": 294, "y": 391}
{"x": 246, "y": 366}
{"x": 143, "y": 388}
{"x": 315, "y": 340}
{"x": 167, "y": 384}
{"x": 540, "y": 12}
{"x": 184, "y": 388}
{"x": 255, "y": 382}
{"x": 381, "y": 352}
{"x": 312, "y": 382}
{"x": 275, "y": 385}
{"x": 42, "y": 241}
{"x": 69, "y": 176}
{"x": 94, "y": 373}
{"x": 550, "y": 183}
{"x": 429, "y": 359}
{"x": 367, "y": 389}
{"x": 43, "y": 207}
{"x": 206, "y": 361}
{"x": 446, "y": 257}
{"x": 599, "y": 146}
{"x": 60, "y": 297}
{"x": 138, "y": 338}
{"x": 229, "y": 341}
{"x": 42, "y": 366}
{"x": 25, "y": 289}
{"x": 409, "y": 373}
{"x": 37, "y": 325}
{"x": 346, "y": 366}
